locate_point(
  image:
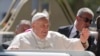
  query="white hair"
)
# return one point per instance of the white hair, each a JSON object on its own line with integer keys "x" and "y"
{"x": 85, "y": 10}
{"x": 27, "y": 22}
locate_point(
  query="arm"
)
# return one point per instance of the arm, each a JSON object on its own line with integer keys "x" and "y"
{"x": 84, "y": 37}
{"x": 15, "y": 44}
{"x": 72, "y": 43}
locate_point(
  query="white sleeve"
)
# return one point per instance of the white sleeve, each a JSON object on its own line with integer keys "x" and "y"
{"x": 15, "y": 44}
{"x": 73, "y": 44}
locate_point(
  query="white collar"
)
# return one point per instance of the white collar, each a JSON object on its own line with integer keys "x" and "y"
{"x": 95, "y": 41}
{"x": 74, "y": 29}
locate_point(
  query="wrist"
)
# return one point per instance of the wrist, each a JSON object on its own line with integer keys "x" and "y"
{"x": 83, "y": 42}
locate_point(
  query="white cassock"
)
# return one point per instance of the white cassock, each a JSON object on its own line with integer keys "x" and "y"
{"x": 53, "y": 41}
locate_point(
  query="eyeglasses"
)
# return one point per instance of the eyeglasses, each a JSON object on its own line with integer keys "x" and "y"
{"x": 86, "y": 19}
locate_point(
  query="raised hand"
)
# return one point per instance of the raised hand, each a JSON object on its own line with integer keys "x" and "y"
{"x": 84, "y": 35}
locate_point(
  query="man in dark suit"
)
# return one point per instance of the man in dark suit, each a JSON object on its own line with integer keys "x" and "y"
{"x": 83, "y": 20}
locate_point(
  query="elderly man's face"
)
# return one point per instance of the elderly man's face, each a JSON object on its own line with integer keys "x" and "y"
{"x": 84, "y": 20}
{"x": 41, "y": 27}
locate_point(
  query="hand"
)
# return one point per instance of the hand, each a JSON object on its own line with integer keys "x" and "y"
{"x": 84, "y": 35}
{"x": 13, "y": 48}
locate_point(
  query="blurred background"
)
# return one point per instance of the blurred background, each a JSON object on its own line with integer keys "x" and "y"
{"x": 62, "y": 12}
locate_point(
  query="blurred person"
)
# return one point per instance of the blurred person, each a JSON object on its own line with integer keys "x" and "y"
{"x": 20, "y": 28}
{"x": 83, "y": 20}
{"x": 23, "y": 26}
{"x": 93, "y": 47}
{"x": 97, "y": 49}
{"x": 39, "y": 37}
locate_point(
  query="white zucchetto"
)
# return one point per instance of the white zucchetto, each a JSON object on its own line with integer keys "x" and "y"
{"x": 39, "y": 15}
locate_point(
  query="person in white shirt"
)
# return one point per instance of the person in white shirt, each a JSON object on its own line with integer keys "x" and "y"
{"x": 41, "y": 38}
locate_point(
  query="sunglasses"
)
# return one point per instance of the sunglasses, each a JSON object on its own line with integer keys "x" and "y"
{"x": 86, "y": 19}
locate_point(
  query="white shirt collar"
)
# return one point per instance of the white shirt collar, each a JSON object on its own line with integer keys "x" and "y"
{"x": 74, "y": 28}
{"x": 95, "y": 42}
{"x": 73, "y": 31}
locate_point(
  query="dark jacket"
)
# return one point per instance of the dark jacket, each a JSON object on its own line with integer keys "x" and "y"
{"x": 66, "y": 30}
